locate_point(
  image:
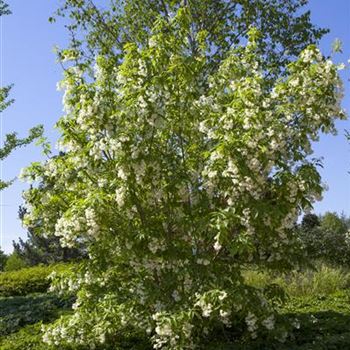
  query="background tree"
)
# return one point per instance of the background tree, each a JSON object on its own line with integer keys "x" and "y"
{"x": 331, "y": 222}
{"x": 4, "y": 8}
{"x": 309, "y": 222}
{"x": 3, "y": 258}
{"x": 14, "y": 262}
{"x": 326, "y": 238}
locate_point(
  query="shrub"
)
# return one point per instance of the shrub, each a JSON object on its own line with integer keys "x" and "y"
{"x": 28, "y": 338}
{"x": 14, "y": 262}
{"x": 27, "y": 280}
{"x": 16, "y": 312}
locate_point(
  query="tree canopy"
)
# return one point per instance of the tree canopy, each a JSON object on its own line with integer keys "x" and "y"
{"x": 105, "y": 29}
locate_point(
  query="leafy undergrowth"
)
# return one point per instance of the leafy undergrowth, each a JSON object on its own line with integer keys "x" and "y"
{"x": 323, "y": 324}
{"x": 30, "y": 338}
{"x": 19, "y": 311}
{"x": 321, "y": 306}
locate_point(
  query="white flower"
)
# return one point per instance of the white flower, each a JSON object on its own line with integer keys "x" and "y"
{"x": 223, "y": 295}
{"x": 212, "y": 173}
{"x": 120, "y": 196}
{"x": 164, "y": 330}
{"x": 152, "y": 42}
{"x": 102, "y": 183}
{"x": 224, "y": 314}
{"x": 202, "y": 127}
{"x": 217, "y": 246}
{"x": 269, "y": 322}
{"x": 251, "y": 321}
{"x": 204, "y": 262}
{"x": 207, "y": 310}
{"x": 176, "y": 296}
{"x": 122, "y": 174}
{"x": 294, "y": 82}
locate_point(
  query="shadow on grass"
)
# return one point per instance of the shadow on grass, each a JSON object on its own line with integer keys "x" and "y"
{"x": 322, "y": 330}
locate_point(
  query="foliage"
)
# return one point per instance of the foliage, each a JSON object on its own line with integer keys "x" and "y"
{"x": 320, "y": 323}
{"x": 333, "y": 223}
{"x": 323, "y": 322}
{"x": 42, "y": 249}
{"x": 323, "y": 280}
{"x": 309, "y": 222}
{"x": 3, "y": 258}
{"x": 320, "y": 319}
{"x": 29, "y": 338}
{"x": 222, "y": 24}
{"x": 4, "y": 10}
{"x": 4, "y": 101}
{"x": 176, "y": 176}
{"x": 327, "y": 238}
{"x": 27, "y": 280}
{"x": 16, "y": 312}
{"x": 11, "y": 140}
{"x": 14, "y": 262}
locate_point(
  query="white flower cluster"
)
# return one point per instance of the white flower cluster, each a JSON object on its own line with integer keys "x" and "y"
{"x": 69, "y": 228}
{"x": 252, "y": 323}
{"x": 156, "y": 245}
{"x": 166, "y": 335}
{"x": 91, "y": 222}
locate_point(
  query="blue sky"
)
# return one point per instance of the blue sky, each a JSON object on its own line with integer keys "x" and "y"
{"x": 28, "y": 61}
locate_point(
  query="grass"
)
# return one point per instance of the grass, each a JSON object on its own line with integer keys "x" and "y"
{"x": 324, "y": 280}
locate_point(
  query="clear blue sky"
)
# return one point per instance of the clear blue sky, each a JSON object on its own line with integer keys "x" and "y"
{"x": 28, "y": 61}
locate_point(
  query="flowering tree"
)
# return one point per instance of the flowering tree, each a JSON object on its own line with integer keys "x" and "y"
{"x": 176, "y": 179}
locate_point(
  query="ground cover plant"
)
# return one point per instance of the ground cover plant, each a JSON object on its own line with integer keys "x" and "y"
{"x": 180, "y": 168}
{"x": 320, "y": 323}
{"x": 18, "y": 311}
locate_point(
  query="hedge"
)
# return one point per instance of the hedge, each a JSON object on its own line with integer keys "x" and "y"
{"x": 28, "y": 280}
